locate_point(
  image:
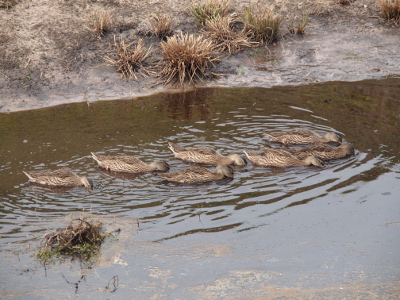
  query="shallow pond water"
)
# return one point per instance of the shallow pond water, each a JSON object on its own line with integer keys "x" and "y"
{"x": 295, "y": 227}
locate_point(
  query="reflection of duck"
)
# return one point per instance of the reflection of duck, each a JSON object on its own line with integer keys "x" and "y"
{"x": 324, "y": 151}
{"x": 129, "y": 164}
{"x": 302, "y": 136}
{"x": 60, "y": 177}
{"x": 120, "y": 175}
{"x": 205, "y": 155}
{"x": 198, "y": 174}
{"x": 280, "y": 158}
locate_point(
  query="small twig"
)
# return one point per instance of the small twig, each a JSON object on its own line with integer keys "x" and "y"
{"x": 90, "y": 225}
{"x": 114, "y": 283}
{"x": 393, "y": 223}
{"x": 27, "y": 64}
{"x": 5, "y": 75}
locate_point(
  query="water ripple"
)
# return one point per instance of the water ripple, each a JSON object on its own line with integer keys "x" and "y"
{"x": 246, "y": 202}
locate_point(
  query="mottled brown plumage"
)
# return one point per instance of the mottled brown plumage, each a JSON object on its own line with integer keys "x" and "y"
{"x": 323, "y": 151}
{"x": 60, "y": 177}
{"x": 129, "y": 164}
{"x": 198, "y": 174}
{"x": 302, "y": 136}
{"x": 205, "y": 155}
{"x": 280, "y": 158}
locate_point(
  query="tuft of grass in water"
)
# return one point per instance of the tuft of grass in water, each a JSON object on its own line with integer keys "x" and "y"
{"x": 80, "y": 238}
{"x": 222, "y": 32}
{"x": 101, "y": 22}
{"x": 262, "y": 23}
{"x": 129, "y": 61}
{"x": 391, "y": 9}
{"x": 210, "y": 10}
{"x": 302, "y": 24}
{"x": 186, "y": 58}
{"x": 160, "y": 25}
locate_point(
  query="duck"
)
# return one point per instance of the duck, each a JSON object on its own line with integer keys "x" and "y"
{"x": 128, "y": 164}
{"x": 302, "y": 136}
{"x": 198, "y": 174}
{"x": 281, "y": 158}
{"x": 323, "y": 151}
{"x": 205, "y": 155}
{"x": 60, "y": 177}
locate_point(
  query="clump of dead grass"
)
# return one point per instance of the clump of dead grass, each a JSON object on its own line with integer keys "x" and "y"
{"x": 302, "y": 24}
{"x": 210, "y": 10}
{"x": 101, "y": 22}
{"x": 7, "y": 4}
{"x": 224, "y": 35}
{"x": 80, "y": 238}
{"x": 391, "y": 9}
{"x": 262, "y": 22}
{"x": 186, "y": 58}
{"x": 128, "y": 60}
{"x": 161, "y": 25}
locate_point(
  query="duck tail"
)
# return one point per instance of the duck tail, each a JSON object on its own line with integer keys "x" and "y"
{"x": 95, "y": 157}
{"x": 175, "y": 148}
{"x": 27, "y": 174}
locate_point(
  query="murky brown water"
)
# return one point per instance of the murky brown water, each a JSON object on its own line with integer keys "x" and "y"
{"x": 303, "y": 227}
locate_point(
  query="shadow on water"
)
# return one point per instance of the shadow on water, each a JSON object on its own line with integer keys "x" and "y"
{"x": 365, "y": 113}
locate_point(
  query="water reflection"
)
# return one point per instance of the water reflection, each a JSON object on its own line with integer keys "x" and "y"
{"x": 228, "y": 120}
{"x": 187, "y": 105}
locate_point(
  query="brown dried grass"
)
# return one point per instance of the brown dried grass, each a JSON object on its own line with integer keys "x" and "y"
{"x": 81, "y": 237}
{"x": 7, "y": 4}
{"x": 262, "y": 22}
{"x": 101, "y": 22}
{"x": 210, "y": 10}
{"x": 302, "y": 24}
{"x": 161, "y": 25}
{"x": 222, "y": 32}
{"x": 186, "y": 58}
{"x": 130, "y": 61}
{"x": 391, "y": 9}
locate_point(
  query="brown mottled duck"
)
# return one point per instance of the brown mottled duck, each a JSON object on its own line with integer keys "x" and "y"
{"x": 302, "y": 136}
{"x": 198, "y": 174}
{"x": 129, "y": 164}
{"x": 205, "y": 155}
{"x": 323, "y": 151}
{"x": 280, "y": 158}
{"x": 60, "y": 177}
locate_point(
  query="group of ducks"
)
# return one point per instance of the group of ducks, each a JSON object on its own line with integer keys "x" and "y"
{"x": 312, "y": 155}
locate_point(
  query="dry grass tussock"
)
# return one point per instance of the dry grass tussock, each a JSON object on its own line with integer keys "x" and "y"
{"x": 300, "y": 28}
{"x": 7, "y": 3}
{"x": 129, "y": 61}
{"x": 210, "y": 10}
{"x": 222, "y": 32}
{"x": 302, "y": 24}
{"x": 186, "y": 58}
{"x": 161, "y": 25}
{"x": 101, "y": 22}
{"x": 262, "y": 22}
{"x": 81, "y": 238}
{"x": 391, "y": 9}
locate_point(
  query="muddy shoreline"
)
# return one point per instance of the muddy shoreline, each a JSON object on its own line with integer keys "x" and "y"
{"x": 54, "y": 58}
